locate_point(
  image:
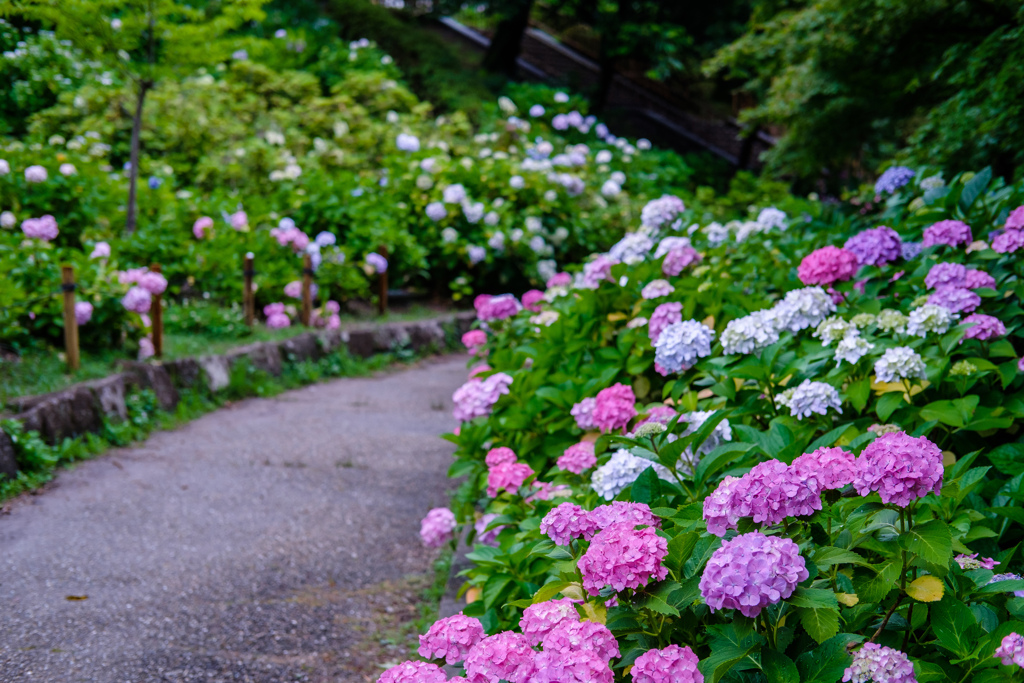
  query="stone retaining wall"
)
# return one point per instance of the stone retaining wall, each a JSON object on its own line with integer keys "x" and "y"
{"x": 83, "y": 407}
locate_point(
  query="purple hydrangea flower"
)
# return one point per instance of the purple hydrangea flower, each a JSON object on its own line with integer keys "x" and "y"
{"x": 451, "y": 638}
{"x": 752, "y": 571}
{"x": 956, "y": 299}
{"x": 658, "y": 212}
{"x": 485, "y": 536}
{"x": 832, "y": 468}
{"x": 623, "y": 557}
{"x": 540, "y": 619}
{"x": 663, "y": 316}
{"x": 476, "y": 398}
{"x": 979, "y": 279}
{"x": 137, "y": 300}
{"x": 672, "y": 664}
{"x": 678, "y": 259}
{"x": 910, "y": 250}
{"x": 1011, "y": 650}
{"x": 503, "y": 656}
{"x": 680, "y": 345}
{"x": 892, "y": 179}
{"x": 656, "y": 289}
{"x": 566, "y": 522}
{"x": 875, "y": 247}
{"x": 946, "y": 274}
{"x": 876, "y": 663}
{"x": 437, "y": 527}
{"x": 578, "y": 457}
{"x": 985, "y": 327}
{"x": 900, "y": 467}
{"x": 1009, "y": 577}
{"x": 583, "y": 412}
{"x": 1009, "y": 241}
{"x": 768, "y": 493}
{"x": 83, "y": 312}
{"x": 949, "y": 233}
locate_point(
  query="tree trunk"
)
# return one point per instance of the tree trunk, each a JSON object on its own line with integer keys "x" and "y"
{"x": 133, "y": 171}
{"x": 508, "y": 37}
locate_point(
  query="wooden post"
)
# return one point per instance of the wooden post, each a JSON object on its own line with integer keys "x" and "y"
{"x": 156, "y": 314}
{"x": 307, "y": 289}
{"x": 382, "y": 296}
{"x": 248, "y": 300}
{"x": 70, "y": 321}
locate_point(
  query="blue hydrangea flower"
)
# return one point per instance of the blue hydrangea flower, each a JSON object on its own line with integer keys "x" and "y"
{"x": 893, "y": 179}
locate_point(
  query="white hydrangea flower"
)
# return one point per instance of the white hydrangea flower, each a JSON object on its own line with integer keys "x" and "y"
{"x": 497, "y": 241}
{"x": 621, "y": 471}
{"x": 473, "y": 211}
{"x": 929, "y": 318}
{"x": 631, "y": 249}
{"x": 852, "y": 348}
{"x": 603, "y": 157}
{"x": 546, "y": 269}
{"x": 803, "y": 308}
{"x": 810, "y": 398}
{"x": 407, "y": 143}
{"x": 831, "y": 329}
{"x": 771, "y": 218}
{"x": 745, "y": 229}
{"x": 717, "y": 234}
{"x": 545, "y": 318}
{"x": 680, "y": 345}
{"x": 449, "y": 235}
{"x": 670, "y": 244}
{"x": 454, "y": 194}
{"x": 891, "y": 320}
{"x": 721, "y": 434}
{"x": 476, "y": 254}
{"x": 534, "y": 224}
{"x": 750, "y": 333}
{"x": 899, "y": 363}
{"x": 492, "y": 218}
{"x": 636, "y": 322}
{"x": 551, "y": 196}
{"x": 610, "y": 188}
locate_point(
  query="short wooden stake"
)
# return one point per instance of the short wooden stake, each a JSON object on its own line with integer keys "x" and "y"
{"x": 382, "y": 296}
{"x": 248, "y": 300}
{"x": 156, "y": 314}
{"x": 70, "y": 321}
{"x": 307, "y": 290}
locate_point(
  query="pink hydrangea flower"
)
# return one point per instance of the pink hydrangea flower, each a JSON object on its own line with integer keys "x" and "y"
{"x": 659, "y": 414}
{"x": 485, "y": 536}
{"x": 575, "y": 636}
{"x": 43, "y": 228}
{"x": 200, "y": 227}
{"x": 578, "y": 457}
{"x": 1011, "y": 649}
{"x": 474, "y": 339}
{"x": 239, "y": 220}
{"x": 538, "y": 620}
{"x": 979, "y": 279}
{"x": 876, "y": 663}
{"x": 451, "y": 638}
{"x": 775, "y": 491}
{"x": 678, "y": 259}
{"x": 984, "y": 327}
{"x": 582, "y": 666}
{"x": 950, "y": 233}
{"x": 664, "y": 315}
{"x": 532, "y": 299}
{"x": 623, "y": 557}
{"x": 597, "y": 271}
{"x": 154, "y": 283}
{"x": 956, "y": 299}
{"x": 276, "y": 317}
{"x": 83, "y": 312}
{"x": 508, "y": 476}
{"x": 100, "y": 250}
{"x": 752, "y": 571}
{"x": 546, "y": 491}
{"x": 437, "y": 527}
{"x": 499, "y": 456}
{"x": 827, "y": 265}
{"x": 1015, "y": 221}
{"x": 942, "y": 274}
{"x": 562, "y": 279}
{"x": 566, "y": 522}
{"x": 503, "y": 656}
{"x": 293, "y": 289}
{"x": 497, "y": 308}
{"x": 1008, "y": 241}
{"x": 146, "y": 348}
{"x": 476, "y": 398}
{"x": 614, "y": 407}
{"x": 479, "y": 369}
{"x": 875, "y": 247}
{"x": 719, "y": 511}
{"x": 413, "y": 672}
{"x": 832, "y": 468}
{"x": 583, "y": 412}
{"x": 672, "y": 664}
{"x": 900, "y": 467}
{"x": 968, "y": 562}
{"x": 619, "y": 511}
{"x": 137, "y": 300}
{"x": 655, "y": 289}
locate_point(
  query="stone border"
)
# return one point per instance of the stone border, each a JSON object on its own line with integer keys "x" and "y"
{"x": 82, "y": 408}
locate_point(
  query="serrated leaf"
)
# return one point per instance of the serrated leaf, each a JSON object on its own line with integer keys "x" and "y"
{"x": 679, "y": 550}
{"x": 820, "y": 624}
{"x": 549, "y": 591}
{"x": 828, "y": 555}
{"x": 926, "y": 589}
{"x": 778, "y": 668}
{"x": 814, "y": 598}
{"x": 827, "y": 662}
{"x": 954, "y": 625}
{"x": 931, "y": 541}
{"x": 658, "y": 600}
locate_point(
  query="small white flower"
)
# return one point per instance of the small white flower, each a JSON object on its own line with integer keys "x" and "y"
{"x": 8, "y": 220}
{"x": 449, "y": 235}
{"x": 899, "y": 363}
{"x": 852, "y": 348}
{"x": 407, "y": 142}
{"x": 68, "y": 170}
{"x": 561, "y": 97}
{"x": 930, "y": 318}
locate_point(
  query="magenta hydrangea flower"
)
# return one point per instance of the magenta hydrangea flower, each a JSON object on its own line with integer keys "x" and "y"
{"x": 83, "y": 312}
{"x": 827, "y": 265}
{"x": 832, "y": 468}
{"x": 876, "y": 663}
{"x": 663, "y": 316}
{"x": 200, "y": 227}
{"x": 476, "y": 398}
{"x": 956, "y": 299}
{"x": 578, "y": 457}
{"x": 137, "y": 300}
{"x": 413, "y": 672}
{"x": 566, "y": 522}
{"x": 678, "y": 259}
{"x": 503, "y": 656}
{"x": 875, "y": 247}
{"x": 532, "y": 299}
{"x": 562, "y": 279}
{"x": 719, "y": 511}
{"x": 900, "y": 467}
{"x": 538, "y": 620}
{"x": 499, "y": 456}
{"x": 437, "y": 527}
{"x": 968, "y": 562}
{"x": 474, "y": 339}
{"x": 672, "y": 664}
{"x": 752, "y": 571}
{"x": 576, "y": 636}
{"x": 950, "y": 233}
{"x": 508, "y": 476}
{"x": 979, "y": 279}
{"x": 583, "y": 412}
{"x": 451, "y": 638}
{"x": 1011, "y": 650}
{"x": 774, "y": 491}
{"x": 619, "y": 511}
{"x": 623, "y": 557}
{"x": 498, "y": 308}
{"x": 614, "y": 407}
{"x": 583, "y": 666}
{"x": 942, "y": 274}
{"x": 1009, "y": 241}
{"x": 984, "y": 327}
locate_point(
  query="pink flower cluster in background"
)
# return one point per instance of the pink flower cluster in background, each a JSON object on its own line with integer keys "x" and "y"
{"x": 437, "y": 527}
{"x": 450, "y": 639}
{"x": 276, "y": 317}
{"x": 476, "y": 398}
{"x": 43, "y": 228}
{"x": 900, "y": 468}
{"x": 578, "y": 457}
{"x": 614, "y": 407}
{"x": 673, "y": 664}
{"x": 826, "y": 266}
{"x": 490, "y": 308}
{"x": 622, "y": 557}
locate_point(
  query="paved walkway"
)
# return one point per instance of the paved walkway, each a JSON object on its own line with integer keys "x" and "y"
{"x": 262, "y": 542}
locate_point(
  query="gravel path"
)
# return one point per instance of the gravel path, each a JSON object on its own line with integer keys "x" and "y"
{"x": 268, "y": 541}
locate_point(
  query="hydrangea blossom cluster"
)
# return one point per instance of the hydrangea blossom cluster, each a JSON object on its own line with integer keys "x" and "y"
{"x": 750, "y": 333}
{"x": 595, "y": 272}
{"x": 809, "y": 398}
{"x": 979, "y": 279}
{"x": 477, "y": 397}
{"x": 579, "y": 636}
{"x": 1009, "y": 577}
{"x": 900, "y": 467}
{"x": 437, "y": 527}
{"x": 532, "y": 299}
{"x": 891, "y": 320}
{"x": 614, "y": 407}
{"x": 276, "y": 317}
{"x": 655, "y": 289}
{"x": 752, "y": 571}
{"x": 899, "y": 363}
{"x": 956, "y": 299}
{"x": 722, "y": 433}
{"x": 631, "y": 249}
{"x": 826, "y": 266}
{"x": 137, "y": 300}
{"x": 680, "y": 345}
{"x": 946, "y": 274}
{"x": 876, "y": 663}
{"x": 831, "y": 467}
{"x": 1008, "y": 241}
{"x": 619, "y": 472}
{"x": 566, "y": 522}
{"x": 583, "y": 412}
{"x": 664, "y": 315}
{"x": 1011, "y": 650}
{"x": 451, "y": 638}
{"x": 202, "y": 224}
{"x": 623, "y": 557}
{"x": 413, "y": 672}
{"x": 968, "y": 562}
{"x": 578, "y": 457}
{"x": 583, "y": 666}
{"x": 540, "y": 619}
{"x": 474, "y": 340}
{"x": 984, "y": 327}
{"x": 930, "y": 318}
{"x": 672, "y": 664}
{"x": 43, "y": 228}
{"x": 486, "y": 536}
{"x": 507, "y": 476}
{"x": 951, "y": 233}
{"x": 892, "y": 179}
{"x": 619, "y": 511}
{"x": 287, "y": 234}
{"x": 678, "y": 259}
{"x": 803, "y": 308}
{"x": 852, "y": 348}
{"x": 436, "y": 211}
{"x": 491, "y": 308}
{"x": 768, "y": 493}
{"x": 875, "y": 247}
{"x": 661, "y": 211}
{"x": 504, "y": 656}
{"x": 83, "y": 312}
